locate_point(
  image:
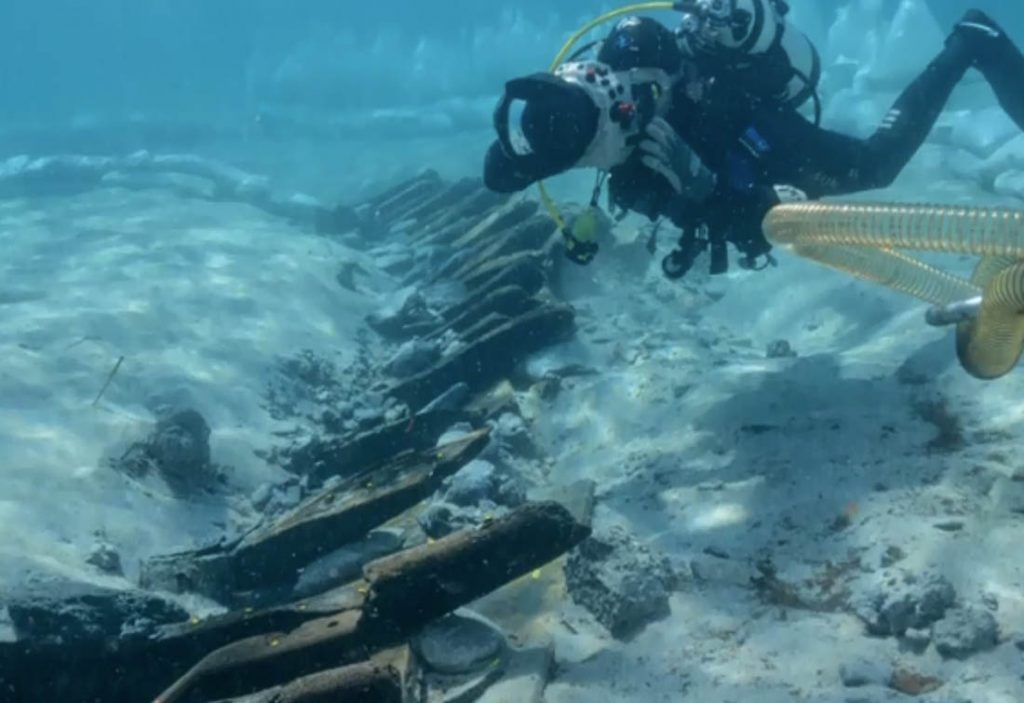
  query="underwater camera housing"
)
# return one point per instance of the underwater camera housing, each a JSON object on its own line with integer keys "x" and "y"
{"x": 748, "y": 35}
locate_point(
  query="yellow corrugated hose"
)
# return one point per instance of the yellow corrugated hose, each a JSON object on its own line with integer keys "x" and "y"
{"x": 862, "y": 239}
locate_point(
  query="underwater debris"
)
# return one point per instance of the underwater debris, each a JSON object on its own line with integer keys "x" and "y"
{"x": 178, "y": 450}
{"x": 950, "y": 434}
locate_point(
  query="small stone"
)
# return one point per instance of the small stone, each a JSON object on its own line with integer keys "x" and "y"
{"x": 511, "y": 432}
{"x": 912, "y": 683}
{"x": 367, "y": 418}
{"x": 474, "y": 482}
{"x": 965, "y": 631}
{"x": 393, "y": 415}
{"x": 261, "y": 496}
{"x": 779, "y": 349}
{"x": 412, "y": 358}
{"x": 864, "y": 672}
{"x": 459, "y": 643}
{"x": 897, "y": 600}
{"x": 479, "y": 481}
{"x": 106, "y": 559}
{"x": 919, "y": 639}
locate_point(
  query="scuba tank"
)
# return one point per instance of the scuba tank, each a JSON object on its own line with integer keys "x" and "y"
{"x": 754, "y": 35}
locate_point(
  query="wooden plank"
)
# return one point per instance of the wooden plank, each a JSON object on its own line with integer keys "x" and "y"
{"x": 401, "y": 594}
{"x": 484, "y": 361}
{"x": 346, "y": 513}
{"x": 457, "y": 570}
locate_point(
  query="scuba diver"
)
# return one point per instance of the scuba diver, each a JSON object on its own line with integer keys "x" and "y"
{"x": 702, "y": 125}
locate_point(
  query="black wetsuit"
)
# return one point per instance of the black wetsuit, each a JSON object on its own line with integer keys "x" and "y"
{"x": 752, "y": 144}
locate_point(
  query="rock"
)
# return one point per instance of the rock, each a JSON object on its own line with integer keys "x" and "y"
{"x": 476, "y": 481}
{"x": 480, "y": 481}
{"x": 412, "y": 358}
{"x": 47, "y": 610}
{"x": 261, "y": 496}
{"x": 623, "y": 583}
{"x": 898, "y": 601}
{"x": 369, "y": 418}
{"x": 779, "y": 349}
{"x": 346, "y": 564}
{"x": 981, "y": 132}
{"x": 410, "y": 316}
{"x": 440, "y": 519}
{"x": 965, "y": 631}
{"x": 284, "y": 496}
{"x": 918, "y": 639}
{"x": 511, "y": 431}
{"x": 459, "y": 643}
{"x": 105, "y": 558}
{"x": 865, "y": 672}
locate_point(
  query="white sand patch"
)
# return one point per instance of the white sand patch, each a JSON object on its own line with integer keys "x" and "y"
{"x": 200, "y": 299}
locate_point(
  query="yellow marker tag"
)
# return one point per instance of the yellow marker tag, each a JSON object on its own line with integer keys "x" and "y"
{"x": 196, "y": 621}
{"x": 430, "y": 540}
{"x": 536, "y": 574}
{"x": 362, "y": 589}
{"x": 302, "y": 606}
{"x": 248, "y": 610}
{"x": 275, "y": 642}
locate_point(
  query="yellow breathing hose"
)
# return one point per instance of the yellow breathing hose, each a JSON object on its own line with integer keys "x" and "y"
{"x": 861, "y": 239}
{"x": 546, "y": 200}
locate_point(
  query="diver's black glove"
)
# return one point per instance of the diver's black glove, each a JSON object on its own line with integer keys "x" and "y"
{"x": 661, "y": 176}
{"x": 664, "y": 152}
